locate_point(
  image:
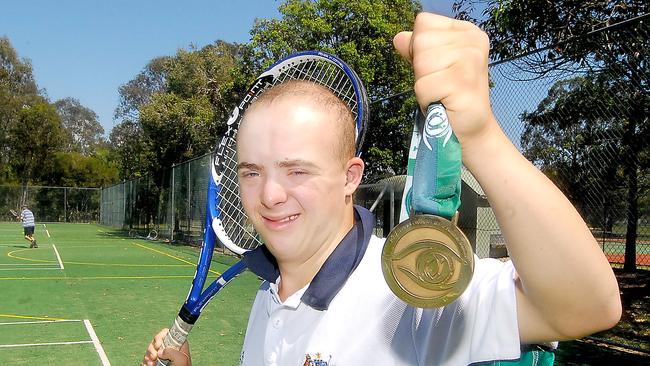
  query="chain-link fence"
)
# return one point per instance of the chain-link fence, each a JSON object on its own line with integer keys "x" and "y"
{"x": 187, "y": 199}
{"x": 51, "y": 204}
{"x": 131, "y": 205}
{"x": 174, "y": 211}
{"x": 585, "y": 125}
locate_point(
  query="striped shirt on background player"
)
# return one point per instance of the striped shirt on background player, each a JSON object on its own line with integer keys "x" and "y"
{"x": 28, "y": 218}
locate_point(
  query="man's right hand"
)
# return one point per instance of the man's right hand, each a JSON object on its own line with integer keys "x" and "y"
{"x": 155, "y": 351}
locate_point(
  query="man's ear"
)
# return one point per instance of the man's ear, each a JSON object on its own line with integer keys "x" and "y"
{"x": 353, "y": 174}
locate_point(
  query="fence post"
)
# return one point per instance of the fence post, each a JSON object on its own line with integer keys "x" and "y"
{"x": 65, "y": 204}
{"x": 189, "y": 196}
{"x": 173, "y": 188}
{"x": 124, "y": 204}
{"x": 392, "y": 205}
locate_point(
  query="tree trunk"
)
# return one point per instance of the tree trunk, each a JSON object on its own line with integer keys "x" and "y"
{"x": 23, "y": 193}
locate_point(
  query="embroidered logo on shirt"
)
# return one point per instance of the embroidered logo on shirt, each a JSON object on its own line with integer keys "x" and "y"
{"x": 316, "y": 360}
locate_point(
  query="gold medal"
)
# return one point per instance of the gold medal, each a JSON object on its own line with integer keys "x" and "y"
{"x": 427, "y": 261}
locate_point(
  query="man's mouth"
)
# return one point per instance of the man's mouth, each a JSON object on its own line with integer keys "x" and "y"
{"x": 283, "y": 219}
{"x": 280, "y": 222}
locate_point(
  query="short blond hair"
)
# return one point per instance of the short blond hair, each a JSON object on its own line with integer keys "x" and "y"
{"x": 322, "y": 98}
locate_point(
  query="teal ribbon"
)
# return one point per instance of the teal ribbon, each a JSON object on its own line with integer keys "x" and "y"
{"x": 436, "y": 177}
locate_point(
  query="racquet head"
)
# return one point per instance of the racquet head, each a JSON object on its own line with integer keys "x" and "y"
{"x": 230, "y": 223}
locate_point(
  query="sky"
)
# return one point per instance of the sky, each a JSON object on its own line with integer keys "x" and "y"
{"x": 86, "y": 49}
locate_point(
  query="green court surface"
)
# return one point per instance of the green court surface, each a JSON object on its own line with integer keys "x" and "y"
{"x": 88, "y": 295}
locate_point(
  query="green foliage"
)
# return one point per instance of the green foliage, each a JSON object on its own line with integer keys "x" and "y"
{"x": 130, "y": 150}
{"x": 33, "y": 139}
{"x": 176, "y": 108}
{"x": 570, "y": 128}
{"x": 566, "y": 134}
{"x": 177, "y": 128}
{"x": 81, "y": 124}
{"x": 34, "y": 133}
{"x": 178, "y": 105}
{"x": 17, "y": 88}
{"x": 360, "y": 33}
{"x": 15, "y": 73}
{"x": 73, "y": 169}
{"x": 515, "y": 27}
{"x": 138, "y": 91}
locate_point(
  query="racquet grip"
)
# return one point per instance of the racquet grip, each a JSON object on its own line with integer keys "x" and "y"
{"x": 175, "y": 338}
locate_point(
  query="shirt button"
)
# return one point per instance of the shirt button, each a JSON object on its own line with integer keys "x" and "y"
{"x": 277, "y": 323}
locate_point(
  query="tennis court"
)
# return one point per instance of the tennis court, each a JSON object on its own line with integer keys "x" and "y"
{"x": 92, "y": 296}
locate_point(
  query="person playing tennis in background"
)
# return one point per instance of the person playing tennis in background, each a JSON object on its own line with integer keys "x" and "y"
{"x": 324, "y": 300}
{"x": 27, "y": 217}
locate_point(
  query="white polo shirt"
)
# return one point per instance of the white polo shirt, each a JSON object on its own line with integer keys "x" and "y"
{"x": 347, "y": 315}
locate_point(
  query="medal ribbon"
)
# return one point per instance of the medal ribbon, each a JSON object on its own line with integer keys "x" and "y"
{"x": 436, "y": 177}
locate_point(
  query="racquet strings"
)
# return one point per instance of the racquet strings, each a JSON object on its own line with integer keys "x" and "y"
{"x": 234, "y": 221}
{"x": 326, "y": 74}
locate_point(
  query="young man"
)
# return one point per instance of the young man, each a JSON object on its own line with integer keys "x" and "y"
{"x": 325, "y": 301}
{"x": 27, "y": 218}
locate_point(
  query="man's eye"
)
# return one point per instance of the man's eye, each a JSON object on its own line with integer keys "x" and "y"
{"x": 298, "y": 172}
{"x": 248, "y": 174}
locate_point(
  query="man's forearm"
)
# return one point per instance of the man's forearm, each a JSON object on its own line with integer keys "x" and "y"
{"x": 564, "y": 274}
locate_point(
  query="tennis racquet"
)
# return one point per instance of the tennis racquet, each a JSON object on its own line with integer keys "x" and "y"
{"x": 152, "y": 235}
{"x": 14, "y": 213}
{"x": 225, "y": 218}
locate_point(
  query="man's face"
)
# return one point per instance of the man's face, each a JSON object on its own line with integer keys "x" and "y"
{"x": 293, "y": 185}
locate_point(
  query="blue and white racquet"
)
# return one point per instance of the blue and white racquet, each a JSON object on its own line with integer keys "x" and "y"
{"x": 225, "y": 217}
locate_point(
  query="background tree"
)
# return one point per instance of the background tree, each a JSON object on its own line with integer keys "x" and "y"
{"x": 568, "y": 31}
{"x": 177, "y": 129}
{"x": 17, "y": 88}
{"x": 360, "y": 33}
{"x": 567, "y": 134}
{"x": 139, "y": 91}
{"x": 176, "y": 108}
{"x": 73, "y": 169}
{"x": 81, "y": 124}
{"x": 34, "y": 139}
{"x": 129, "y": 150}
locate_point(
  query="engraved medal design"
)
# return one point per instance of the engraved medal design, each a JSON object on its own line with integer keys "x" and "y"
{"x": 427, "y": 261}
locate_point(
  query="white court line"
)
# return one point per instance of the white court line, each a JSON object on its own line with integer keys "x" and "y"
{"x": 42, "y": 321}
{"x": 25, "y": 264}
{"x": 89, "y": 328}
{"x": 42, "y": 344}
{"x": 46, "y": 231}
{"x": 29, "y": 269}
{"x": 58, "y": 257}
{"x": 98, "y": 345}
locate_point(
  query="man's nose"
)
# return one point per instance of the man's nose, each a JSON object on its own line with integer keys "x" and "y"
{"x": 273, "y": 193}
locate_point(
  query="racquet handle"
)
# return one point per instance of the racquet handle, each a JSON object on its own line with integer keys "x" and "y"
{"x": 175, "y": 338}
